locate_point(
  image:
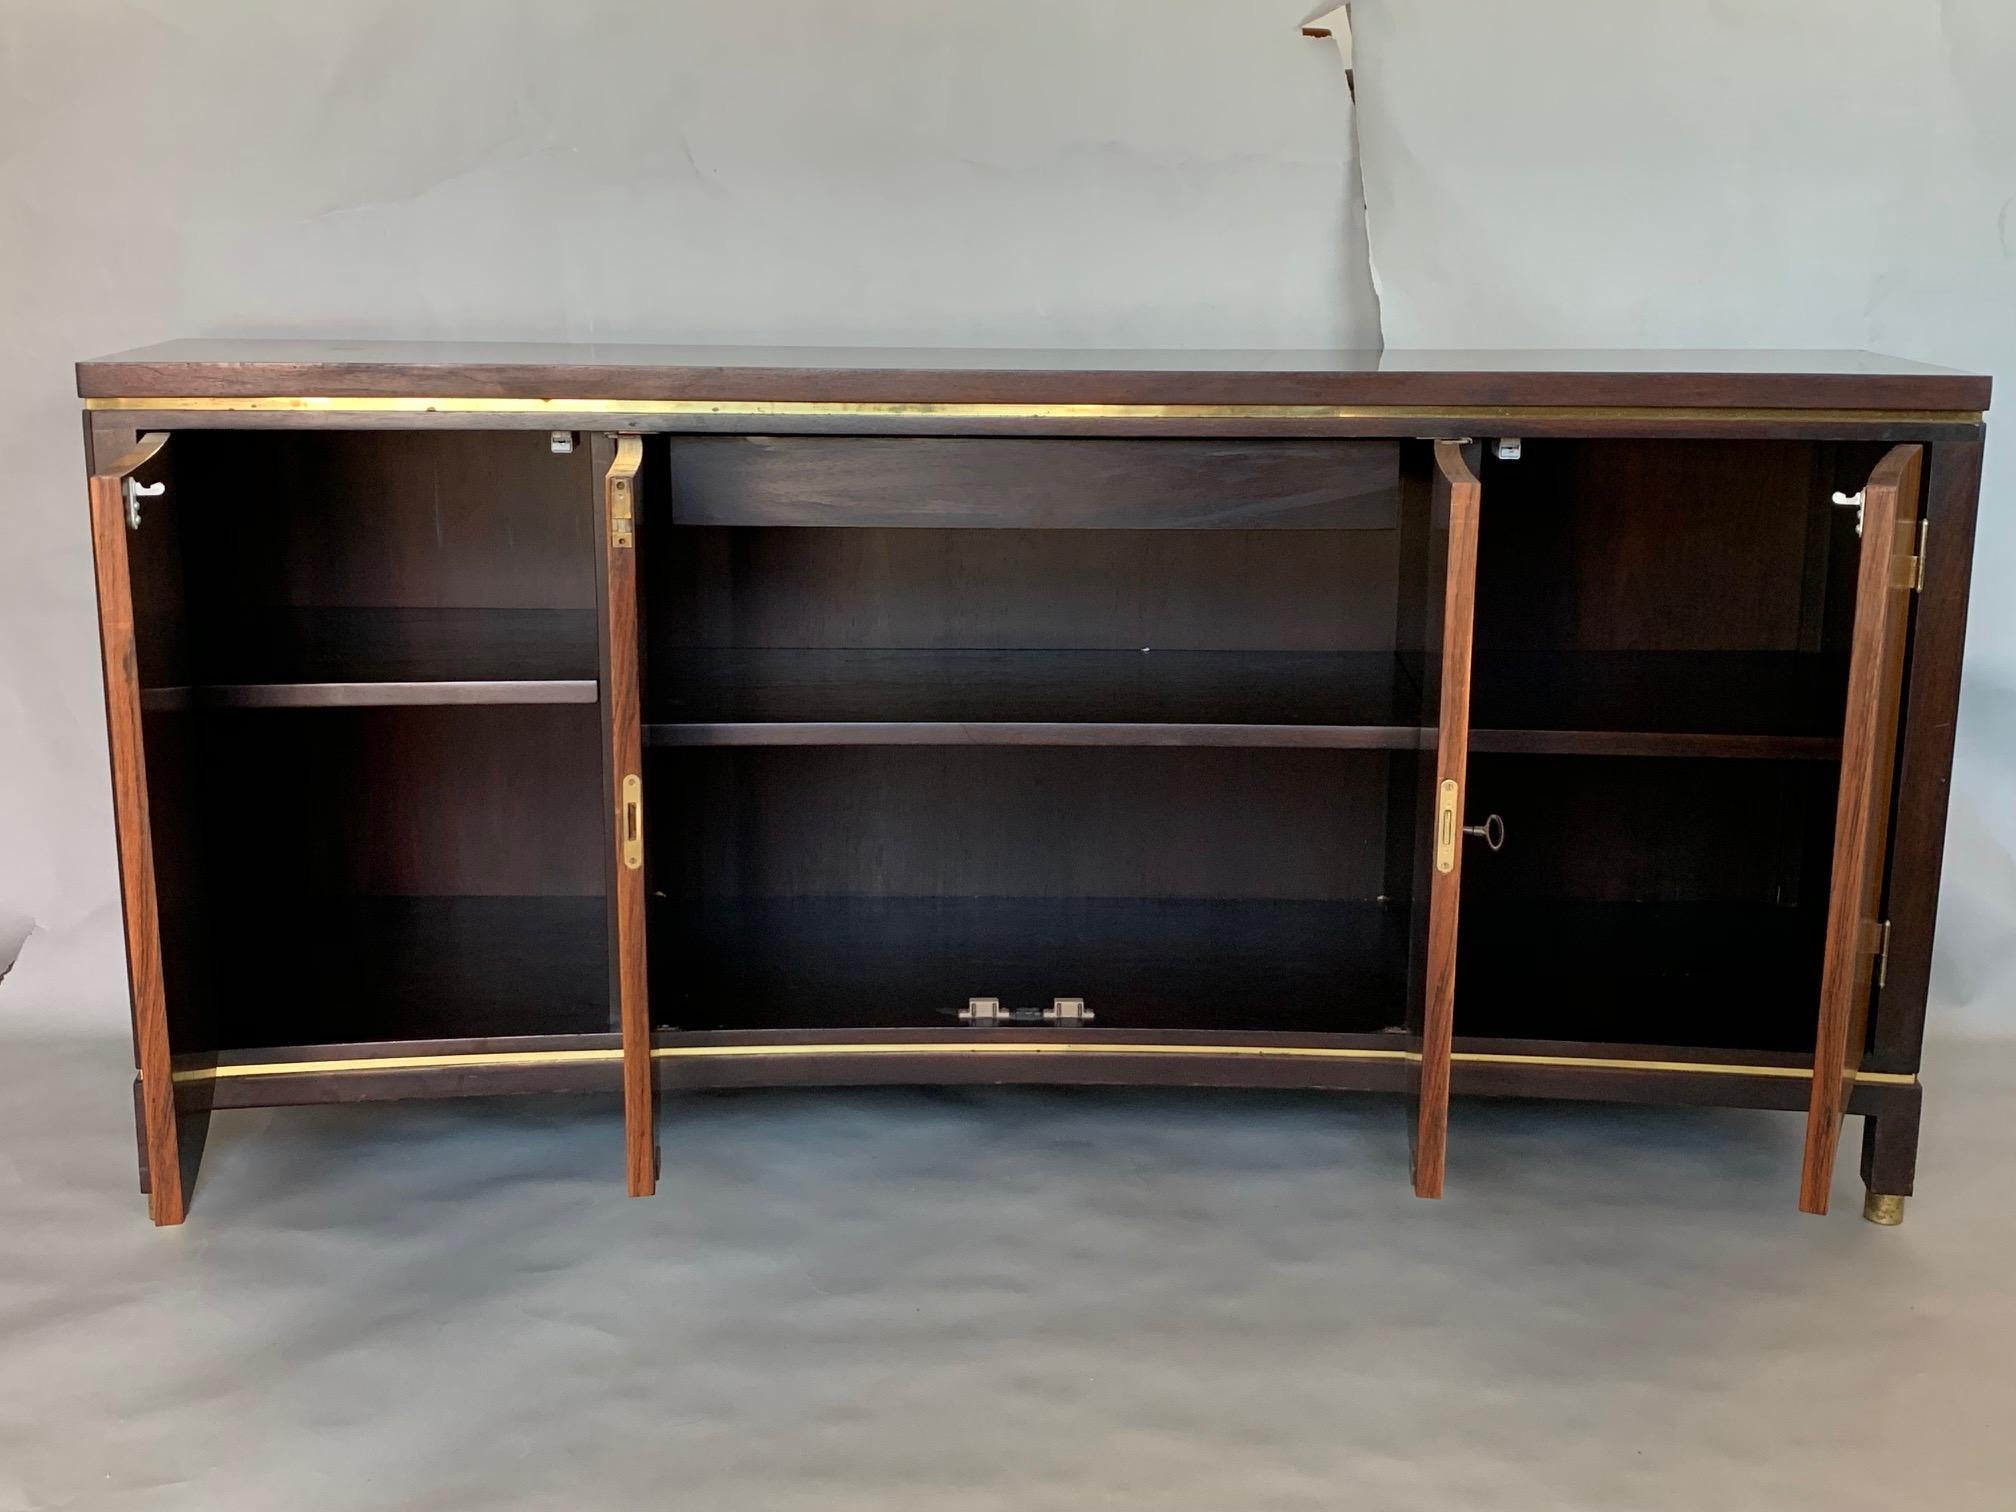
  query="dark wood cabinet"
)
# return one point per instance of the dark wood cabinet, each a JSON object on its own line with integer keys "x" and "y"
{"x": 503, "y": 720}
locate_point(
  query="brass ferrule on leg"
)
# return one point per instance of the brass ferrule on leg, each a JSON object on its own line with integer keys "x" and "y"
{"x": 1885, "y": 1208}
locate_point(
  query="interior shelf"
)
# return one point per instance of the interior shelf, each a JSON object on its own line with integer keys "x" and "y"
{"x": 1766, "y": 704}
{"x": 327, "y": 971}
{"x": 1713, "y": 975}
{"x": 928, "y": 697}
{"x": 849, "y": 963}
{"x": 359, "y": 657}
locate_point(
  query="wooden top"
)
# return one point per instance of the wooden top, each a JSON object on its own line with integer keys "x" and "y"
{"x": 840, "y": 375}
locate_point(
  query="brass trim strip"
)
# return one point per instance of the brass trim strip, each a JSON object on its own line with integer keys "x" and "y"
{"x": 941, "y": 1047}
{"x": 400, "y": 1063}
{"x": 900, "y": 410}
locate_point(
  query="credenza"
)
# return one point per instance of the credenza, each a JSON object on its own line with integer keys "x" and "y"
{"x": 526, "y": 719}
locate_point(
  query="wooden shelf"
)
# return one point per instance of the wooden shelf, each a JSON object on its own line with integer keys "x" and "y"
{"x": 857, "y": 963}
{"x": 1721, "y": 976}
{"x": 1759, "y": 704}
{"x": 975, "y": 697}
{"x": 349, "y": 658}
{"x": 332, "y": 970}
{"x": 1763, "y": 705}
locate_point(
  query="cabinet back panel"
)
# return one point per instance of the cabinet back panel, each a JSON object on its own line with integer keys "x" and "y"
{"x": 991, "y": 822}
{"x": 1667, "y": 546}
{"x": 192, "y": 931}
{"x": 1237, "y": 590}
{"x": 1652, "y": 830}
{"x": 392, "y": 519}
{"x": 1034, "y": 483}
{"x": 449, "y": 801}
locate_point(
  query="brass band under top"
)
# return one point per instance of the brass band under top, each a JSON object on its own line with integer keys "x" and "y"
{"x": 783, "y": 409}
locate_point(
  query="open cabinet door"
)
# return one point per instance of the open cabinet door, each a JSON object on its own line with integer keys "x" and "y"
{"x": 1440, "y": 495}
{"x": 1884, "y": 584}
{"x": 618, "y": 460}
{"x": 121, "y": 487}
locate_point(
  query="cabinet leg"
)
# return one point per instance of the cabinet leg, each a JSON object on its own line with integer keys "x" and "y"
{"x": 1889, "y": 1161}
{"x": 140, "y": 1136}
{"x": 192, "y": 1128}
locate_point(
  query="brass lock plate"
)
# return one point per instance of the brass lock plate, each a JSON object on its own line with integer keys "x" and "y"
{"x": 1446, "y": 827}
{"x": 633, "y": 822}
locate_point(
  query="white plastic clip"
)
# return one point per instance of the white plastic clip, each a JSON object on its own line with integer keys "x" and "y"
{"x": 1506, "y": 448}
{"x": 136, "y": 491}
{"x": 1852, "y": 501}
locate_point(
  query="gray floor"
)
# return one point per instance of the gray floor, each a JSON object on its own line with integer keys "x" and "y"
{"x": 994, "y": 1299}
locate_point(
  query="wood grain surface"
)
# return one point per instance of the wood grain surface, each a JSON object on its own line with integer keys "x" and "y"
{"x": 620, "y": 460}
{"x": 166, "y": 1198}
{"x": 1456, "y": 499}
{"x": 1884, "y": 590}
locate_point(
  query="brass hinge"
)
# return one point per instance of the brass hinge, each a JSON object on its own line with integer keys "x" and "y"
{"x": 622, "y": 514}
{"x": 622, "y": 483}
{"x": 1907, "y": 569}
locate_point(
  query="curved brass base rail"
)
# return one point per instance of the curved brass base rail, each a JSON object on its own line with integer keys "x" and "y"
{"x": 927, "y": 1048}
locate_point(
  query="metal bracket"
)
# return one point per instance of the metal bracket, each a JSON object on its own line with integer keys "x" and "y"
{"x": 1065, "y": 1012}
{"x": 135, "y": 491}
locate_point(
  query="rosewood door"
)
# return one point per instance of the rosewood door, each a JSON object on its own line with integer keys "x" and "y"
{"x": 136, "y": 623}
{"x": 1886, "y": 579}
{"x": 618, "y": 462}
{"x": 1440, "y": 502}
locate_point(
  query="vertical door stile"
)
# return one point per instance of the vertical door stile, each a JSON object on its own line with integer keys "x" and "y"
{"x": 618, "y": 460}
{"x": 1441, "y": 496}
{"x": 133, "y": 826}
{"x": 1885, "y": 581}
{"x": 1457, "y": 495}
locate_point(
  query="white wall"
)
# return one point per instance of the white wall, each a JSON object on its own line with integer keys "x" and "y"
{"x": 1797, "y": 173}
{"x": 934, "y": 172}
